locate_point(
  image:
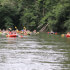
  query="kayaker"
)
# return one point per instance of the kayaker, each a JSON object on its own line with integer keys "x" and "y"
{"x": 10, "y": 32}
{"x": 34, "y": 31}
{"x": 25, "y": 32}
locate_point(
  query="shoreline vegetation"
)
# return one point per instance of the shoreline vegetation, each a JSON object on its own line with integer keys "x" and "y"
{"x": 40, "y": 15}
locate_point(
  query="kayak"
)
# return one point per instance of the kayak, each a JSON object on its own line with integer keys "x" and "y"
{"x": 52, "y": 33}
{"x": 13, "y": 35}
{"x": 68, "y": 35}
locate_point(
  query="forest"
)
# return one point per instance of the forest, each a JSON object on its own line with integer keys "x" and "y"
{"x": 35, "y": 14}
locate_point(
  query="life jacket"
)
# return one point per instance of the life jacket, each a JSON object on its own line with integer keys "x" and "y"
{"x": 9, "y": 32}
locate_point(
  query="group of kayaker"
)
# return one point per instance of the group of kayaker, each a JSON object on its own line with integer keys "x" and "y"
{"x": 17, "y": 32}
{"x": 66, "y": 35}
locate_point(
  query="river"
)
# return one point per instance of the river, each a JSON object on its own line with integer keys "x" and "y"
{"x": 38, "y": 52}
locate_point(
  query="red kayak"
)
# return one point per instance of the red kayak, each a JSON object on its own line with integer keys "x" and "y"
{"x": 13, "y": 35}
{"x": 68, "y": 35}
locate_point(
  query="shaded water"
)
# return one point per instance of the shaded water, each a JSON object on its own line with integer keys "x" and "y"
{"x": 40, "y": 52}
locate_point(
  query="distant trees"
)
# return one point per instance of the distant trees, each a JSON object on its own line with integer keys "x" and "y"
{"x": 32, "y": 13}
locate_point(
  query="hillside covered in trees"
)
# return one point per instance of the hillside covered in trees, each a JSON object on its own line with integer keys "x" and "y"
{"x": 34, "y": 14}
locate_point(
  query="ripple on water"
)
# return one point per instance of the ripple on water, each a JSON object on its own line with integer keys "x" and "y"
{"x": 31, "y": 53}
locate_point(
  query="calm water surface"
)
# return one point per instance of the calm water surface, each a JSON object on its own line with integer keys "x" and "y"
{"x": 39, "y": 52}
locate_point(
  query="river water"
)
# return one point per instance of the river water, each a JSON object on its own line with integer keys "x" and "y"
{"x": 38, "y": 52}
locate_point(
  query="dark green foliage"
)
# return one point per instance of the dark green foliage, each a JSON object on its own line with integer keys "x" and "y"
{"x": 32, "y": 13}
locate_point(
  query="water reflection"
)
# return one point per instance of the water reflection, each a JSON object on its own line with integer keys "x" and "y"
{"x": 40, "y": 52}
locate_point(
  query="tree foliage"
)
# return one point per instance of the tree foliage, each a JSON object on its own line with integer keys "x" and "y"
{"x": 32, "y": 13}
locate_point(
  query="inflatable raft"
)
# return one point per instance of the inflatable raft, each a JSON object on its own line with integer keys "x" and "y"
{"x": 67, "y": 35}
{"x": 13, "y": 35}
